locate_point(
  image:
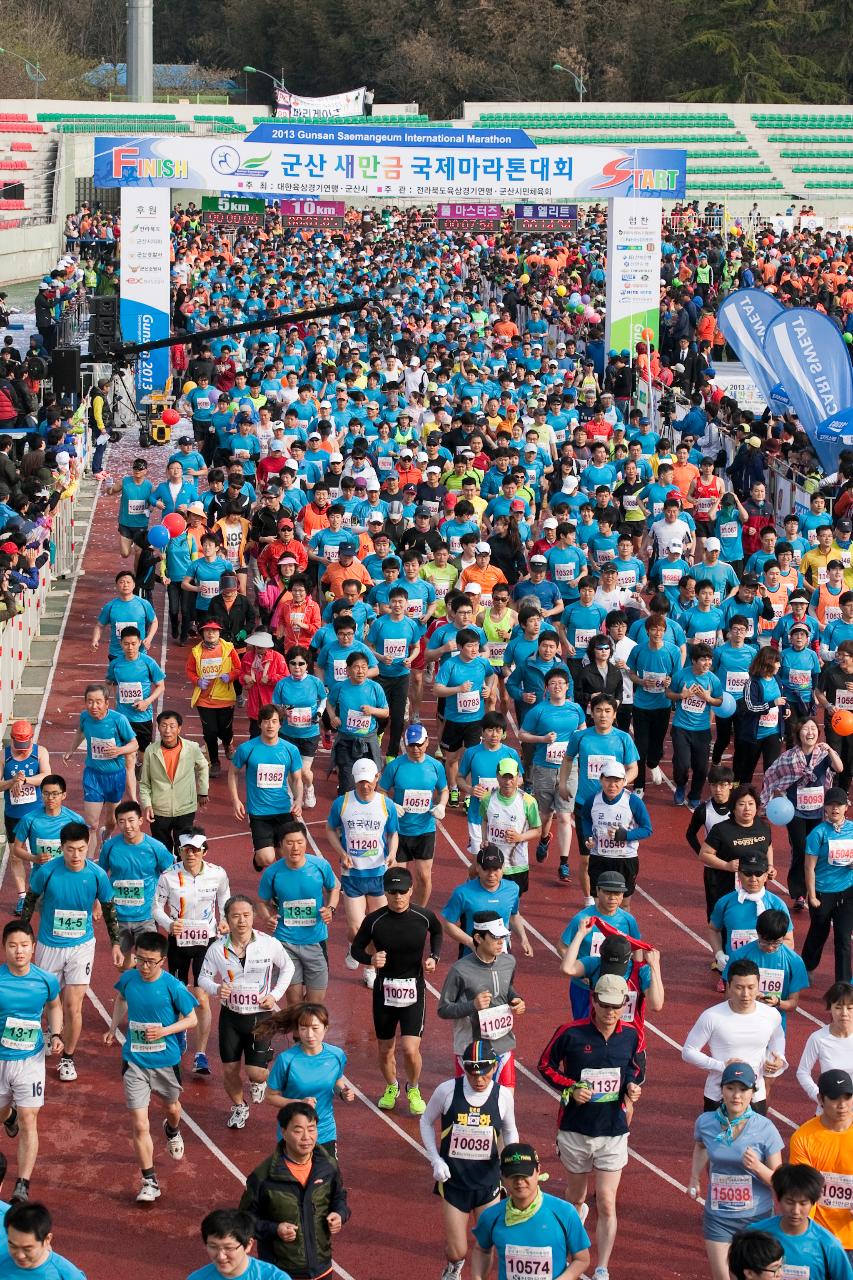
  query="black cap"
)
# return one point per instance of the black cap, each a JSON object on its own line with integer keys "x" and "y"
{"x": 836, "y": 795}
{"x": 397, "y": 880}
{"x": 490, "y": 858}
{"x": 519, "y": 1158}
{"x": 753, "y": 866}
{"x": 615, "y": 953}
{"x": 833, "y": 1084}
{"x": 844, "y": 526}
{"x": 749, "y": 580}
{"x": 612, "y": 881}
{"x": 228, "y": 582}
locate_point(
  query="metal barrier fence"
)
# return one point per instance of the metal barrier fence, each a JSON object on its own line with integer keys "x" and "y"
{"x": 64, "y": 537}
{"x": 16, "y": 637}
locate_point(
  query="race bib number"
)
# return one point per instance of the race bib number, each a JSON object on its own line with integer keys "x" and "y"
{"x": 195, "y": 933}
{"x": 831, "y": 613}
{"x": 496, "y": 650}
{"x": 629, "y": 1013}
{"x": 694, "y": 705}
{"x": 99, "y": 748}
{"x": 470, "y": 1142}
{"x": 840, "y": 853}
{"x": 670, "y": 577}
{"x": 130, "y": 693}
{"x": 731, "y": 1193}
{"x": 595, "y": 765}
{"x": 705, "y": 637}
{"x": 441, "y": 588}
{"x": 394, "y": 649}
{"x": 740, "y": 938}
{"x": 656, "y": 682}
{"x": 137, "y": 507}
{"x": 496, "y": 1021}
{"x": 245, "y": 996}
{"x": 605, "y": 1083}
{"x": 736, "y": 681}
{"x": 844, "y": 700}
{"x": 69, "y": 923}
{"x": 129, "y": 893}
{"x": 770, "y": 719}
{"x": 791, "y": 1272}
{"x": 837, "y": 1191}
{"x": 468, "y": 704}
{"x": 48, "y": 849}
{"x": 26, "y": 795}
{"x": 415, "y": 609}
{"x": 21, "y": 1034}
{"x": 399, "y": 993}
{"x": 269, "y": 776}
{"x": 595, "y": 940}
{"x": 798, "y": 678}
{"x": 627, "y": 579}
{"x": 357, "y": 723}
{"x": 339, "y": 670}
{"x": 385, "y": 463}
{"x": 729, "y": 529}
{"x": 301, "y": 913}
{"x": 770, "y": 982}
{"x": 415, "y": 801}
{"x": 210, "y": 668}
{"x": 138, "y": 1043}
{"x": 555, "y": 752}
{"x": 331, "y": 554}
{"x": 299, "y": 717}
{"x": 208, "y": 589}
{"x": 582, "y": 638}
{"x": 563, "y": 572}
{"x": 810, "y": 799}
{"x": 528, "y": 1262}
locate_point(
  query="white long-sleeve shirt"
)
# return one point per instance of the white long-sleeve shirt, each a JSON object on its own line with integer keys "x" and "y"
{"x": 194, "y": 899}
{"x": 831, "y": 1053}
{"x": 265, "y": 970}
{"x": 743, "y": 1037}
{"x": 440, "y": 1101}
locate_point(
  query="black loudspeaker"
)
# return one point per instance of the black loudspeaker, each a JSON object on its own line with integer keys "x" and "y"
{"x": 103, "y": 324}
{"x": 65, "y": 371}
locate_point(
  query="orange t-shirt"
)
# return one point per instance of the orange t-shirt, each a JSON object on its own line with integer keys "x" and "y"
{"x": 171, "y": 756}
{"x": 301, "y": 1172}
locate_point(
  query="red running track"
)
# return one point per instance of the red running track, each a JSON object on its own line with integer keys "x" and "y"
{"x": 86, "y": 1171}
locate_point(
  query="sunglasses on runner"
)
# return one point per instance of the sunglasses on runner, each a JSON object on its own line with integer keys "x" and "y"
{"x": 478, "y": 1068}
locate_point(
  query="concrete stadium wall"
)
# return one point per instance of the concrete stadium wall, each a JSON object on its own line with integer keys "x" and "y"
{"x": 27, "y": 252}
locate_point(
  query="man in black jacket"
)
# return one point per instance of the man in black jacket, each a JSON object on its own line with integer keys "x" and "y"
{"x": 296, "y": 1214}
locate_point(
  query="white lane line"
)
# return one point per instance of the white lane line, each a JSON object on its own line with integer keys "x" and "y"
{"x": 200, "y": 1133}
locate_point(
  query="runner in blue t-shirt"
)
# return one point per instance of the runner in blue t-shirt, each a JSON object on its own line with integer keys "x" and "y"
{"x": 134, "y": 508}
{"x": 125, "y": 610}
{"x": 273, "y": 785}
{"x": 65, "y": 891}
{"x": 111, "y": 750}
{"x": 134, "y": 862}
{"x": 158, "y": 1009}
{"x": 299, "y": 894}
{"x": 417, "y": 784}
{"x": 310, "y": 1070}
{"x": 138, "y": 681}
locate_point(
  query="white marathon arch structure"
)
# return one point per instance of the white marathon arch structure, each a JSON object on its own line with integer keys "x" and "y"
{"x": 474, "y": 171}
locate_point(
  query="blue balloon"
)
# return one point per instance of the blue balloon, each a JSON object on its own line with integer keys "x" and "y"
{"x": 780, "y": 811}
{"x": 158, "y": 536}
{"x": 727, "y": 707}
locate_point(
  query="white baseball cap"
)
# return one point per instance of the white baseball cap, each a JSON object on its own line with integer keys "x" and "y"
{"x": 364, "y": 771}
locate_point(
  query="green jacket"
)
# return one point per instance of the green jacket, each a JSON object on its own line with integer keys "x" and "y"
{"x": 274, "y": 1196}
{"x": 171, "y": 799}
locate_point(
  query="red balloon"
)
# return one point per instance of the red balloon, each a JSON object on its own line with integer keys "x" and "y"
{"x": 171, "y": 417}
{"x": 175, "y": 523}
{"x": 646, "y": 334}
{"x": 842, "y": 723}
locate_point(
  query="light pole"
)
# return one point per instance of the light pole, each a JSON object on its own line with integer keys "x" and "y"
{"x": 579, "y": 84}
{"x": 256, "y": 71}
{"x": 33, "y": 68}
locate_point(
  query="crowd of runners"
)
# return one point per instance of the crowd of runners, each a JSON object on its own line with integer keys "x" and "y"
{"x": 444, "y": 506}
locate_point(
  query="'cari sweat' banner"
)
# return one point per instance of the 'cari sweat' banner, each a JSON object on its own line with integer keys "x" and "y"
{"x": 807, "y": 350}
{"x": 743, "y": 318}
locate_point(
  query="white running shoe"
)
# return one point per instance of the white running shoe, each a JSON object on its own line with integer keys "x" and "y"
{"x": 148, "y": 1192}
{"x": 349, "y": 960}
{"x": 452, "y": 1270}
{"x": 601, "y": 1273}
{"x": 657, "y": 779}
{"x": 309, "y": 799}
{"x": 238, "y": 1117}
{"x": 639, "y": 792}
{"x": 258, "y": 1089}
{"x": 67, "y": 1070}
{"x": 369, "y": 977}
{"x": 589, "y": 902}
{"x": 175, "y": 1145}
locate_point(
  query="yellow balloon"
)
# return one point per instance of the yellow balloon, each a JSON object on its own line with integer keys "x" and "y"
{"x": 561, "y": 290}
{"x": 525, "y": 279}
{"x": 188, "y": 386}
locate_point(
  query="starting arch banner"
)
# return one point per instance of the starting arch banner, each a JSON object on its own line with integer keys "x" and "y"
{"x": 390, "y": 163}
